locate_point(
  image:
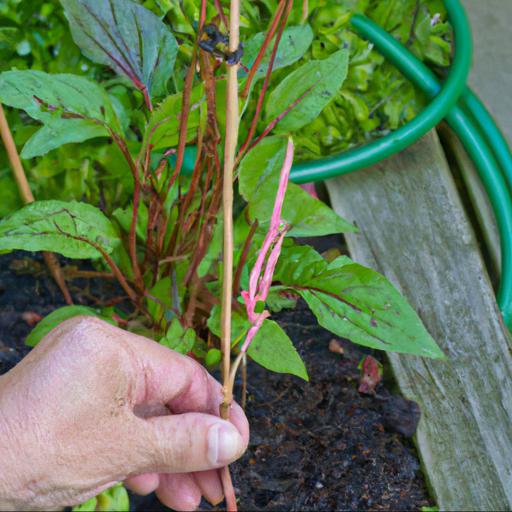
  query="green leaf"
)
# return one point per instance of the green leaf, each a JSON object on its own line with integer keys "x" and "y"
{"x": 270, "y": 348}
{"x": 164, "y": 123}
{"x": 259, "y": 178}
{"x": 179, "y": 339}
{"x": 47, "y": 97}
{"x": 357, "y": 303}
{"x": 273, "y": 349}
{"x": 213, "y": 357}
{"x": 9, "y": 195}
{"x": 239, "y": 324}
{"x": 279, "y": 299}
{"x": 125, "y": 36}
{"x": 116, "y": 498}
{"x": 298, "y": 263}
{"x": 55, "y": 318}
{"x": 322, "y": 78}
{"x": 124, "y": 217}
{"x": 57, "y": 132}
{"x": 162, "y": 292}
{"x": 88, "y": 506}
{"x": 67, "y": 228}
{"x": 72, "y": 108}
{"x": 294, "y": 43}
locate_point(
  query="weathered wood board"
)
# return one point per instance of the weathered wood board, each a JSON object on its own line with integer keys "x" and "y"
{"x": 478, "y": 199}
{"x": 415, "y": 231}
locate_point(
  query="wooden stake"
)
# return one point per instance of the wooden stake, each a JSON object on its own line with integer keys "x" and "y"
{"x": 227, "y": 201}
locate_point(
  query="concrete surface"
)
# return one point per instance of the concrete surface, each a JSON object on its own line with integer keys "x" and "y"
{"x": 491, "y": 76}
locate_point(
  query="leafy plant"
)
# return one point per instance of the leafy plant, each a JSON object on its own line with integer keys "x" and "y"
{"x": 183, "y": 286}
{"x": 375, "y": 98}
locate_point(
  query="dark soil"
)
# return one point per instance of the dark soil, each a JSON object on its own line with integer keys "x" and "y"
{"x": 320, "y": 445}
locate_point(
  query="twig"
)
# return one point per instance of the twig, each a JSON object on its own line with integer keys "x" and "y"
{"x": 26, "y": 194}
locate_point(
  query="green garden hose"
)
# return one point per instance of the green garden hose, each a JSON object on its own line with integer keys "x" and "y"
{"x": 479, "y": 134}
{"x": 430, "y": 116}
{"x": 491, "y": 132}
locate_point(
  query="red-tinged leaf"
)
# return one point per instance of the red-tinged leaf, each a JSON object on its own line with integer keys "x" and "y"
{"x": 371, "y": 375}
{"x": 127, "y": 37}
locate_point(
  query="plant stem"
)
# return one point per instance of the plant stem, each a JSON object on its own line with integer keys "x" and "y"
{"x": 132, "y": 240}
{"x": 268, "y": 37}
{"x": 259, "y": 105}
{"x": 222, "y": 15}
{"x": 305, "y": 10}
{"x": 26, "y": 194}
{"x": 227, "y": 202}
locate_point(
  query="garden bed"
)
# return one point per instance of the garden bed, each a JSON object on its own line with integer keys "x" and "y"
{"x": 314, "y": 446}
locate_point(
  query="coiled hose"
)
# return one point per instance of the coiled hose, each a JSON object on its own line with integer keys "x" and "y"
{"x": 430, "y": 116}
{"x": 471, "y": 121}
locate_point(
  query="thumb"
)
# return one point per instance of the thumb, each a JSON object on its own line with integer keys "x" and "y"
{"x": 188, "y": 442}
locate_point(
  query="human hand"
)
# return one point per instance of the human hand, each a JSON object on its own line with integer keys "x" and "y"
{"x": 93, "y": 405}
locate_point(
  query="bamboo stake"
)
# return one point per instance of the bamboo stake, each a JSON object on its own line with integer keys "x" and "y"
{"x": 27, "y": 197}
{"x": 227, "y": 202}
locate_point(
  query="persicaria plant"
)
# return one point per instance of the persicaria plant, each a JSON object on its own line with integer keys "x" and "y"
{"x": 203, "y": 257}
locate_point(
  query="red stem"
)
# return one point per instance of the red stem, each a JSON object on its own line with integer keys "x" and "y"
{"x": 268, "y": 37}
{"x": 136, "y": 198}
{"x": 273, "y": 123}
{"x": 221, "y": 13}
{"x": 229, "y": 491}
{"x": 259, "y": 105}
{"x": 187, "y": 90}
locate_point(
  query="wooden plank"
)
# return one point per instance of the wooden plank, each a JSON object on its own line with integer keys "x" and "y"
{"x": 415, "y": 231}
{"x": 480, "y": 205}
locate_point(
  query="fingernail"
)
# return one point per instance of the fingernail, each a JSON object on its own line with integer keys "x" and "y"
{"x": 223, "y": 443}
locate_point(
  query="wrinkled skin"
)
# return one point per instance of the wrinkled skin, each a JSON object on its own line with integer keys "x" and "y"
{"x": 92, "y": 405}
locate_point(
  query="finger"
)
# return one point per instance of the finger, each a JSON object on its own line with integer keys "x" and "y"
{"x": 179, "y": 383}
{"x": 188, "y": 442}
{"x": 143, "y": 484}
{"x": 210, "y": 485}
{"x": 239, "y": 419}
{"x": 179, "y": 492}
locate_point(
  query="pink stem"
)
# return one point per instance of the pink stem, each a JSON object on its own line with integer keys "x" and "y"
{"x": 261, "y": 278}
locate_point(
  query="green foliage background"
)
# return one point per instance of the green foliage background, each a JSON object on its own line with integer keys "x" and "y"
{"x": 373, "y": 100}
